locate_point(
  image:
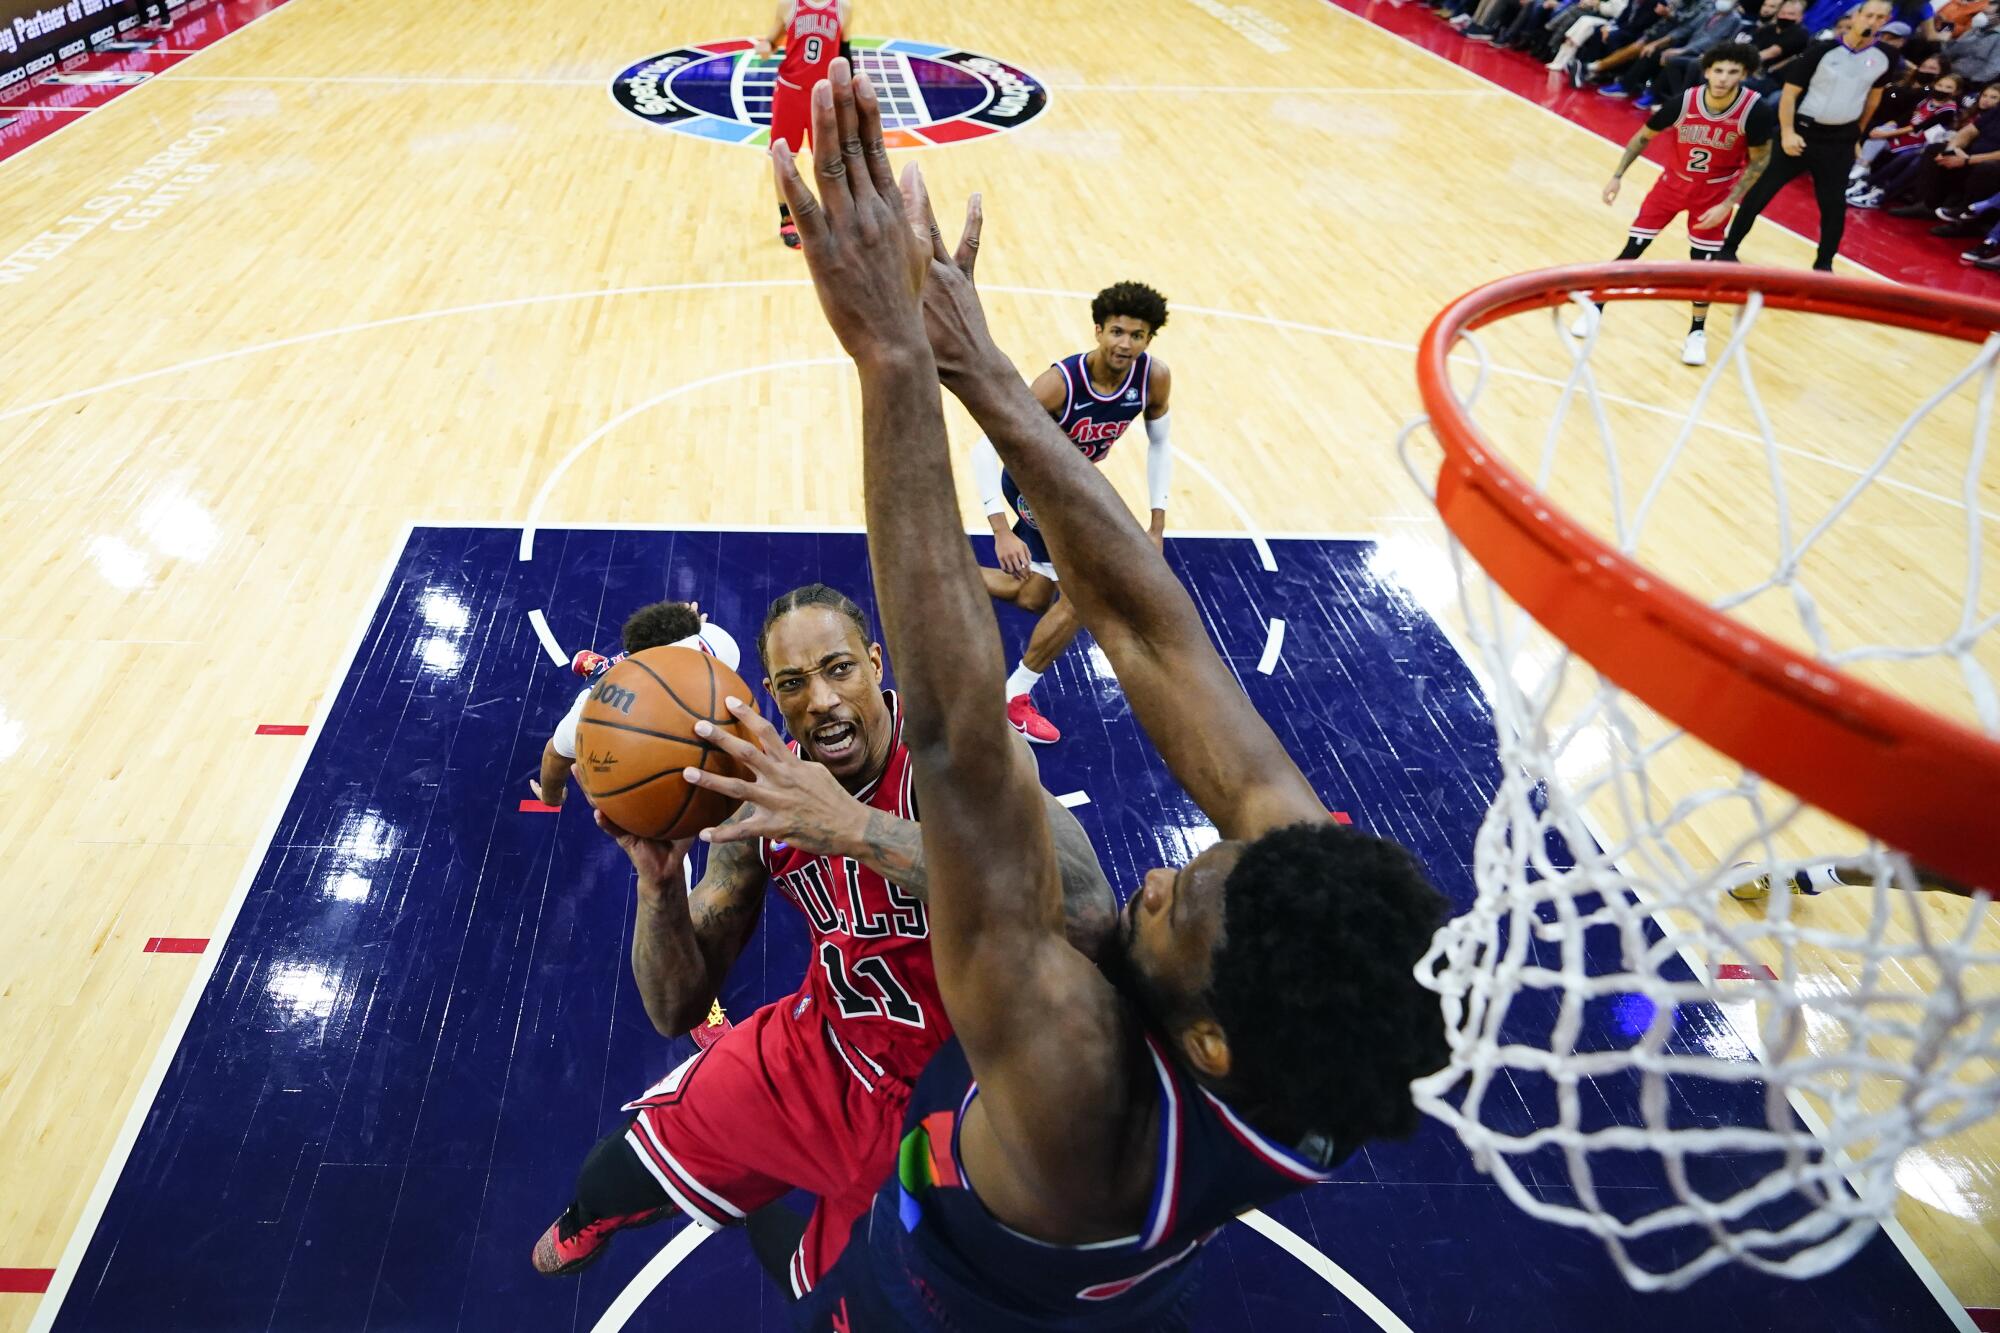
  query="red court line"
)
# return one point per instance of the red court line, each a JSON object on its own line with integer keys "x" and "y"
{"x": 531, "y": 806}
{"x": 1899, "y": 248}
{"x": 1744, "y": 972}
{"x": 281, "y": 729}
{"x": 1984, "y": 1319}
{"x": 175, "y": 944}
{"x": 1341, "y": 817}
{"x": 26, "y": 1281}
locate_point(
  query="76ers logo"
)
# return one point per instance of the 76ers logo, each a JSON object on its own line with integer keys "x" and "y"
{"x": 931, "y": 95}
{"x": 1096, "y": 438}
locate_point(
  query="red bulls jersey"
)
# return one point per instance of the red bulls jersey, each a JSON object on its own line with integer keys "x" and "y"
{"x": 1712, "y": 148}
{"x": 870, "y": 977}
{"x": 812, "y": 40}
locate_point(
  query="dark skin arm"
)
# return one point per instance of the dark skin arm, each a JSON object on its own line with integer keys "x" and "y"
{"x": 1047, "y": 1138}
{"x": 683, "y": 944}
{"x": 1231, "y": 764}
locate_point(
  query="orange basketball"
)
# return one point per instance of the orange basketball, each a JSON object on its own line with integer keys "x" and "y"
{"x": 637, "y": 734}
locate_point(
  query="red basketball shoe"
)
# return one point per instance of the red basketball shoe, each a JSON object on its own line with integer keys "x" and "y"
{"x": 568, "y": 1245}
{"x": 1022, "y": 715}
{"x": 788, "y": 232}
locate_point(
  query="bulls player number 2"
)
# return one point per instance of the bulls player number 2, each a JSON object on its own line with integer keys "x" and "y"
{"x": 894, "y": 1003}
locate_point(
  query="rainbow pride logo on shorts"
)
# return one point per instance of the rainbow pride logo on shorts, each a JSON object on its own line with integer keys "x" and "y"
{"x": 930, "y": 94}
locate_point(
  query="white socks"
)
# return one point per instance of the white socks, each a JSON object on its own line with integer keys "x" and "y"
{"x": 1022, "y": 681}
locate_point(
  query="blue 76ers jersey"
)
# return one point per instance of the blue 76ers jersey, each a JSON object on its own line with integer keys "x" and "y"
{"x": 1095, "y": 423}
{"x": 929, "y": 1255}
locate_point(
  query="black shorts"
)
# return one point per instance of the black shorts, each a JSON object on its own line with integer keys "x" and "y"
{"x": 1024, "y": 526}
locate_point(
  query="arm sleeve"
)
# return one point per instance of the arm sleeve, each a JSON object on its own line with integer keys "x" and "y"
{"x": 564, "y": 740}
{"x": 1159, "y": 460}
{"x": 1664, "y": 115}
{"x": 986, "y": 474}
{"x": 1761, "y": 125}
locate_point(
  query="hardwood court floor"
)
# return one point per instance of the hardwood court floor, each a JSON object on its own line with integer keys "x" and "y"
{"x": 427, "y": 270}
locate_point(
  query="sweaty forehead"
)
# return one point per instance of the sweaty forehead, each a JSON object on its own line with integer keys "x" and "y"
{"x": 803, "y": 638}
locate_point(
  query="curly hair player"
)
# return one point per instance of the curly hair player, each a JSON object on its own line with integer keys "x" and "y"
{"x": 1093, "y": 397}
{"x": 1067, "y": 1153}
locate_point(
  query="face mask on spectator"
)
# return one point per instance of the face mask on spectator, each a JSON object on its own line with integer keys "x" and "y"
{"x": 1981, "y": 20}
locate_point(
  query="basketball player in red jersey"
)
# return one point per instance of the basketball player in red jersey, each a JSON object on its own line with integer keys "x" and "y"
{"x": 812, "y": 33}
{"x": 1093, "y": 396}
{"x": 807, "y": 1092}
{"x": 1721, "y": 144}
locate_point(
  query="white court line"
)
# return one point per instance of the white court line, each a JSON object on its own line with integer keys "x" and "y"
{"x": 1273, "y": 645}
{"x": 721, "y": 377}
{"x": 149, "y": 1089}
{"x": 648, "y": 1278}
{"x": 1072, "y": 799}
{"x": 1252, "y": 90}
{"x": 547, "y": 636}
{"x": 1336, "y": 1277}
{"x": 1215, "y": 312}
{"x": 414, "y": 80}
{"x": 1264, "y": 556}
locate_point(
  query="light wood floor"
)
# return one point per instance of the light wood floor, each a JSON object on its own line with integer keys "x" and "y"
{"x": 434, "y": 258}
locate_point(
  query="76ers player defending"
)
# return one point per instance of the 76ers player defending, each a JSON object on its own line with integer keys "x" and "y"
{"x": 1721, "y": 144}
{"x": 812, "y": 33}
{"x": 809, "y": 1091}
{"x": 1068, "y": 1151}
{"x": 1093, "y": 397}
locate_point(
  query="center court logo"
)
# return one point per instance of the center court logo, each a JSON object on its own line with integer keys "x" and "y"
{"x": 930, "y": 94}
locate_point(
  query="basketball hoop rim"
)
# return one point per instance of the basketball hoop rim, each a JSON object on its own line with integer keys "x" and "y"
{"x": 1918, "y": 781}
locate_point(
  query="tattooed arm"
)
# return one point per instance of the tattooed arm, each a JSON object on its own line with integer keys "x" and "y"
{"x": 1635, "y": 146}
{"x": 683, "y": 944}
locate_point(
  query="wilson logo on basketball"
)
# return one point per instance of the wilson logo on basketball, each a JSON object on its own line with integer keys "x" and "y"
{"x": 613, "y": 696}
{"x": 930, "y": 94}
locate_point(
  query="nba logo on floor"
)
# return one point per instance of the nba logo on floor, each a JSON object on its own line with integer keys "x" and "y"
{"x": 930, "y": 94}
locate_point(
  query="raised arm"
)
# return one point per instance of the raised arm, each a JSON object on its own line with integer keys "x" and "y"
{"x": 1037, "y": 1021}
{"x": 683, "y": 944}
{"x": 1232, "y": 765}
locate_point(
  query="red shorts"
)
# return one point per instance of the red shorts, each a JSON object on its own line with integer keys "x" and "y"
{"x": 791, "y": 113}
{"x": 771, "y": 1108}
{"x": 1674, "y": 194}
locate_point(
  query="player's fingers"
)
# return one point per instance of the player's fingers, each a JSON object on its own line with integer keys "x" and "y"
{"x": 829, "y": 167}
{"x": 968, "y": 240}
{"x": 742, "y": 751}
{"x": 760, "y": 731}
{"x": 741, "y": 830}
{"x": 604, "y": 822}
{"x": 807, "y": 215}
{"x": 847, "y": 119}
{"x": 868, "y": 111}
{"x": 734, "y": 788}
{"x": 923, "y": 222}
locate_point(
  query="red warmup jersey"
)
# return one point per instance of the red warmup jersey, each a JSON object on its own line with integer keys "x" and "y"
{"x": 1707, "y": 148}
{"x": 812, "y": 40}
{"x": 870, "y": 976}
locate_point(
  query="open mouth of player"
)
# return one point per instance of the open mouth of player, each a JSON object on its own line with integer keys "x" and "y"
{"x": 836, "y": 740}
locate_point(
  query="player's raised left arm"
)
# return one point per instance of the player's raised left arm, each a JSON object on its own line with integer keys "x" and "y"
{"x": 1159, "y": 447}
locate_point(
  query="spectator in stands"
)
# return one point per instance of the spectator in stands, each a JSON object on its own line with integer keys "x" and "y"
{"x": 1965, "y": 168}
{"x": 1904, "y": 129}
{"x": 1954, "y": 18}
{"x": 1679, "y": 67}
{"x": 1779, "y": 41}
{"x": 1986, "y": 254}
{"x": 1672, "y": 30}
{"x": 1975, "y": 54}
{"x": 1486, "y": 19}
{"x": 1584, "y": 20}
{"x": 1530, "y": 29}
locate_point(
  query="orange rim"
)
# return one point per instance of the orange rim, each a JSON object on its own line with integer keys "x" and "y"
{"x": 1918, "y": 781}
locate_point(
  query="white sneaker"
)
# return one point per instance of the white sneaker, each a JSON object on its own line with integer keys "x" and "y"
{"x": 1694, "y": 352}
{"x": 1581, "y": 326}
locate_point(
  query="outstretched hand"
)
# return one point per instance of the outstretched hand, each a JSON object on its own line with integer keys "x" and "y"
{"x": 658, "y": 860}
{"x": 866, "y": 262}
{"x": 954, "y": 321}
{"x": 787, "y": 799}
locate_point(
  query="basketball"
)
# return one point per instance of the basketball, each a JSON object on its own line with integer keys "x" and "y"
{"x": 637, "y": 734}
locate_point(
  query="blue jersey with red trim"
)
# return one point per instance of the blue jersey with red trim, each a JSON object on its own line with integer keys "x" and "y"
{"x": 1093, "y": 421}
{"x": 931, "y": 1257}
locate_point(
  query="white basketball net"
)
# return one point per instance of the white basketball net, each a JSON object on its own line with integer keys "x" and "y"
{"x": 1607, "y": 1066}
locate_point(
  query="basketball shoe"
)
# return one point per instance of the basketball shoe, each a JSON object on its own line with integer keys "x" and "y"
{"x": 570, "y": 1244}
{"x": 788, "y": 232}
{"x": 1806, "y": 883}
{"x": 1021, "y": 714}
{"x": 1694, "y": 352}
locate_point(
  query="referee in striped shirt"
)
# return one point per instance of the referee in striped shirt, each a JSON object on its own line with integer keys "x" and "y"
{"x": 1830, "y": 92}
